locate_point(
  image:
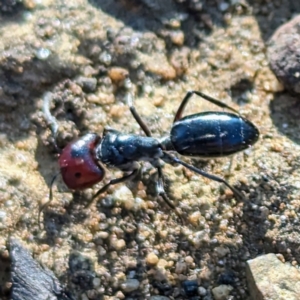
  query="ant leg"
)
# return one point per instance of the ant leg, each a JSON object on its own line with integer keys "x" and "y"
{"x": 47, "y": 99}
{"x": 171, "y": 159}
{"x": 112, "y": 182}
{"x": 129, "y": 100}
{"x": 161, "y": 192}
{"x": 48, "y": 202}
{"x": 102, "y": 190}
{"x": 189, "y": 95}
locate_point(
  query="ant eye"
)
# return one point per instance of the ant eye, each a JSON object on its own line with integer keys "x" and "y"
{"x": 78, "y": 165}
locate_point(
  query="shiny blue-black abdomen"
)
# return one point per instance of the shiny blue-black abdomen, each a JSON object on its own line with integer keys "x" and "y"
{"x": 212, "y": 134}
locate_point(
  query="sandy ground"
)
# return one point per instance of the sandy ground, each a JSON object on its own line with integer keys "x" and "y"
{"x": 75, "y": 49}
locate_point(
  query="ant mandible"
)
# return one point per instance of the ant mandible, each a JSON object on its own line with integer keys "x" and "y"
{"x": 208, "y": 134}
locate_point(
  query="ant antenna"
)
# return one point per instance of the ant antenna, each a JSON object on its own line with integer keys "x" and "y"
{"x": 47, "y": 98}
{"x": 49, "y": 201}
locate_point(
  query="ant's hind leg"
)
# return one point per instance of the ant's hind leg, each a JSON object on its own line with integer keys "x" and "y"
{"x": 189, "y": 95}
{"x": 171, "y": 159}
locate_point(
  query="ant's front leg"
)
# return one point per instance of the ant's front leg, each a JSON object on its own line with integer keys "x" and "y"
{"x": 161, "y": 192}
{"x": 129, "y": 100}
{"x": 126, "y": 177}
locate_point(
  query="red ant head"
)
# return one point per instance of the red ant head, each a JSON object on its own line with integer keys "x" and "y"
{"x": 79, "y": 166}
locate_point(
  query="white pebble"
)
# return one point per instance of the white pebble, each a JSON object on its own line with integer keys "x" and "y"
{"x": 124, "y": 195}
{"x": 223, "y": 6}
{"x": 84, "y": 297}
{"x": 222, "y": 291}
{"x": 201, "y": 291}
{"x": 43, "y": 53}
{"x": 96, "y": 282}
{"x": 2, "y": 215}
{"x": 9, "y": 203}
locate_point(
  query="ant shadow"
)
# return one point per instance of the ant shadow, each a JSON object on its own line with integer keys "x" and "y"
{"x": 195, "y": 19}
{"x": 81, "y": 271}
{"x": 270, "y": 16}
{"x": 157, "y": 17}
{"x": 5, "y": 275}
{"x": 257, "y": 229}
{"x": 11, "y": 12}
{"x": 285, "y": 114}
{"x": 248, "y": 222}
{"x": 19, "y": 88}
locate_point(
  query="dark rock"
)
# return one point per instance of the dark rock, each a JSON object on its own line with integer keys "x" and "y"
{"x": 190, "y": 287}
{"x": 88, "y": 85}
{"x": 284, "y": 53}
{"x": 227, "y": 277}
{"x": 30, "y": 280}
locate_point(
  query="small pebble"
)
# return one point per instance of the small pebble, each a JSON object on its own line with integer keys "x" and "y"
{"x": 2, "y": 215}
{"x": 223, "y": 6}
{"x": 9, "y": 203}
{"x": 152, "y": 259}
{"x": 177, "y": 38}
{"x": 201, "y": 291}
{"x": 43, "y": 53}
{"x": 280, "y": 257}
{"x": 222, "y": 251}
{"x": 162, "y": 263}
{"x": 227, "y": 277}
{"x": 96, "y": 282}
{"x": 124, "y": 195}
{"x": 88, "y": 84}
{"x": 101, "y": 98}
{"x": 118, "y": 244}
{"x": 117, "y": 74}
{"x": 105, "y": 58}
{"x": 222, "y": 292}
{"x": 189, "y": 260}
{"x": 180, "y": 267}
{"x": 120, "y": 295}
{"x": 130, "y": 285}
{"x": 7, "y": 286}
{"x": 84, "y": 297}
{"x": 117, "y": 111}
{"x": 190, "y": 287}
{"x": 103, "y": 234}
{"x": 194, "y": 218}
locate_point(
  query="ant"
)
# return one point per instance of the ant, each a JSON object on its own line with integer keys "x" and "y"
{"x": 208, "y": 134}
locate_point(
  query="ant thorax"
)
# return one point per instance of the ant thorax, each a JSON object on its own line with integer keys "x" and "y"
{"x": 120, "y": 150}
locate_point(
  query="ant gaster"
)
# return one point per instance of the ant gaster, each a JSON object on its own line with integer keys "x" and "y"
{"x": 207, "y": 134}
